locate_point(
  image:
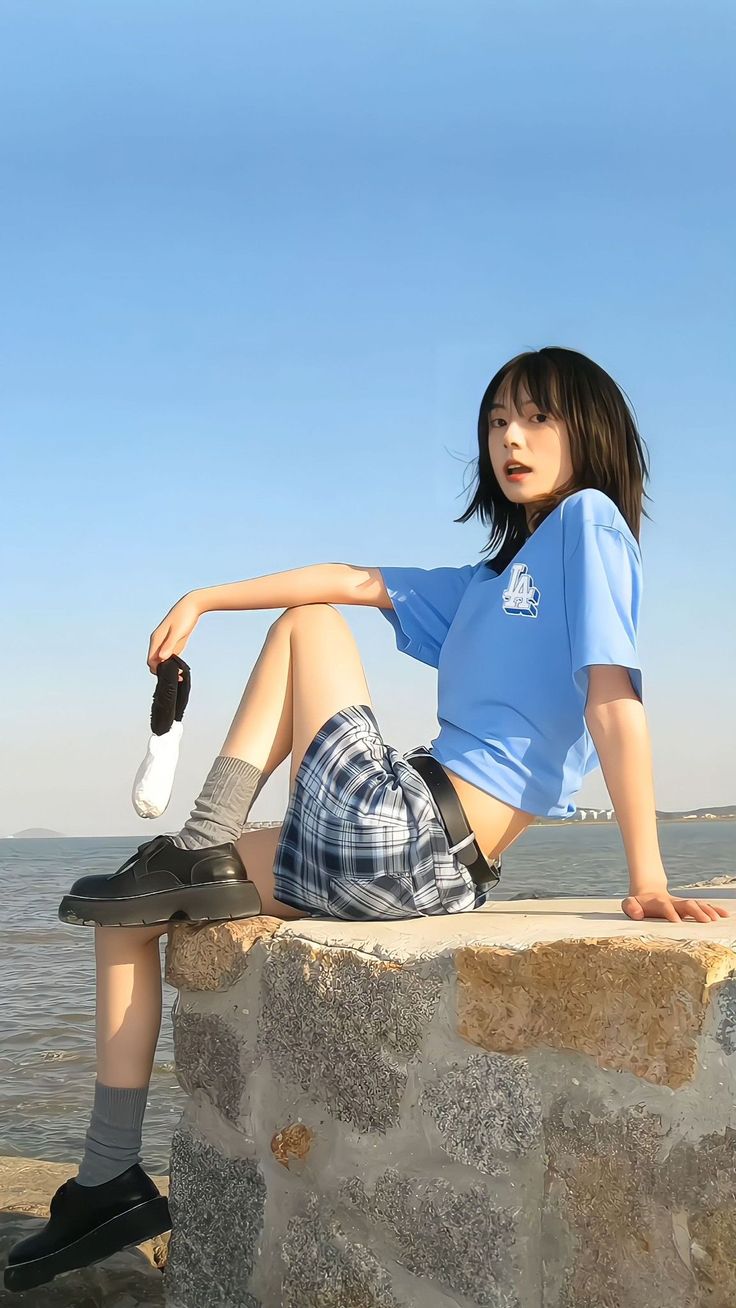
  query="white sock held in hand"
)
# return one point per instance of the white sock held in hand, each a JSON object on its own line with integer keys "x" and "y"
{"x": 154, "y": 779}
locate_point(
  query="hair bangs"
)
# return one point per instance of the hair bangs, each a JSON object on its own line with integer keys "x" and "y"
{"x": 535, "y": 377}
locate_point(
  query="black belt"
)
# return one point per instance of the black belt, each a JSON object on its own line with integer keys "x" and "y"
{"x": 462, "y": 839}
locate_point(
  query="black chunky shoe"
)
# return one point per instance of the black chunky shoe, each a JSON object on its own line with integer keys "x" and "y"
{"x": 160, "y": 882}
{"x": 88, "y": 1223}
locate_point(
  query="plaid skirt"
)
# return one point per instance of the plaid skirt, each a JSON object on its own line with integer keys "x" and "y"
{"x": 362, "y": 837}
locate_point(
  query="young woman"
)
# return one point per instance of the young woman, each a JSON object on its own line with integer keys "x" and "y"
{"x": 539, "y": 681}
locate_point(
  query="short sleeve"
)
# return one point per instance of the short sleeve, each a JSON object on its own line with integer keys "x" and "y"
{"x": 603, "y": 589}
{"x": 425, "y": 601}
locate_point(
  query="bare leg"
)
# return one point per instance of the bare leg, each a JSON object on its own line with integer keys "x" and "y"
{"x": 128, "y": 1012}
{"x": 309, "y": 668}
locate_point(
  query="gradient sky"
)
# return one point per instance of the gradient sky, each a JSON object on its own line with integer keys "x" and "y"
{"x": 258, "y": 266}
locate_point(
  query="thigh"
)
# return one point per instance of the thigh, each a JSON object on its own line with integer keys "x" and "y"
{"x": 327, "y": 672}
{"x": 257, "y": 848}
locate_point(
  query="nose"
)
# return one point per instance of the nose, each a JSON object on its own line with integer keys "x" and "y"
{"x": 512, "y": 436}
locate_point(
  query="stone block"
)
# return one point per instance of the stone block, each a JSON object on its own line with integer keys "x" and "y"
{"x": 217, "y": 1207}
{"x": 342, "y": 1027}
{"x": 213, "y": 955}
{"x": 207, "y": 1057}
{"x": 672, "y": 1206}
{"x": 628, "y": 1004}
{"x": 325, "y": 1269}
{"x": 485, "y": 1111}
{"x": 726, "y": 1033}
{"x": 461, "y": 1239}
{"x": 712, "y": 1238}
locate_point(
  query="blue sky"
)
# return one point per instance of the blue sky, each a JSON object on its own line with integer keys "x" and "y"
{"x": 257, "y": 270}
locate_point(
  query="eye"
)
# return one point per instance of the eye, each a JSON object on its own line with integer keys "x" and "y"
{"x": 543, "y": 416}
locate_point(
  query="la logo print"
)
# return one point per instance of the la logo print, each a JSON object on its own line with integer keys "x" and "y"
{"x": 521, "y": 595}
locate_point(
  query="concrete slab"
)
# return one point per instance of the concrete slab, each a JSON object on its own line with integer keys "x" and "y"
{"x": 516, "y": 925}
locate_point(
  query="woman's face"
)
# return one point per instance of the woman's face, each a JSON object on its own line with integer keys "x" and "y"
{"x": 530, "y": 437}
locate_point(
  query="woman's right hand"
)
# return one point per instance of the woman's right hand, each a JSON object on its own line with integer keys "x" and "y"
{"x": 173, "y": 632}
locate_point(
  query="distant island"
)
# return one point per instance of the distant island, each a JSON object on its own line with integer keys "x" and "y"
{"x": 37, "y": 833}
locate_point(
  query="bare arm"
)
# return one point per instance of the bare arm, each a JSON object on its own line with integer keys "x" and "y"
{"x": 618, "y": 727}
{"x": 318, "y": 583}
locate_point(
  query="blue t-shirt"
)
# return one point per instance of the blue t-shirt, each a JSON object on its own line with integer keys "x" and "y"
{"x": 513, "y": 649}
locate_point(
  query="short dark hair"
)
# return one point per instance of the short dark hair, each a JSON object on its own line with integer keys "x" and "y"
{"x": 606, "y": 449}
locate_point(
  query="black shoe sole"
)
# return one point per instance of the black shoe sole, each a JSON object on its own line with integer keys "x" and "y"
{"x": 132, "y": 1227}
{"x": 216, "y": 902}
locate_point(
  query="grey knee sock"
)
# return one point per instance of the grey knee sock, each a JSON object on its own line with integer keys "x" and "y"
{"x": 222, "y": 808}
{"x": 113, "y": 1140}
{"x": 259, "y": 788}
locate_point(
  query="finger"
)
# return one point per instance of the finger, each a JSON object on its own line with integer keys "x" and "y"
{"x": 705, "y": 909}
{"x": 632, "y": 908}
{"x": 712, "y": 910}
{"x": 164, "y": 649}
{"x": 693, "y": 908}
{"x": 154, "y": 650}
{"x": 702, "y": 908}
{"x": 709, "y": 909}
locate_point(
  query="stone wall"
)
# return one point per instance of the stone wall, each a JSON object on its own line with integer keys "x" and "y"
{"x": 529, "y": 1106}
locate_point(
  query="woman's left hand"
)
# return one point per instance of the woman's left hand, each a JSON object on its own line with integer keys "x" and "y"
{"x": 661, "y": 903}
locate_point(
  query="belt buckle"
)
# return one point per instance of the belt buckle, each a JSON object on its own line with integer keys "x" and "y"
{"x": 494, "y": 868}
{"x": 461, "y": 844}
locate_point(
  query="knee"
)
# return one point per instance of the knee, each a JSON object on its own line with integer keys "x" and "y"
{"x": 305, "y": 613}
